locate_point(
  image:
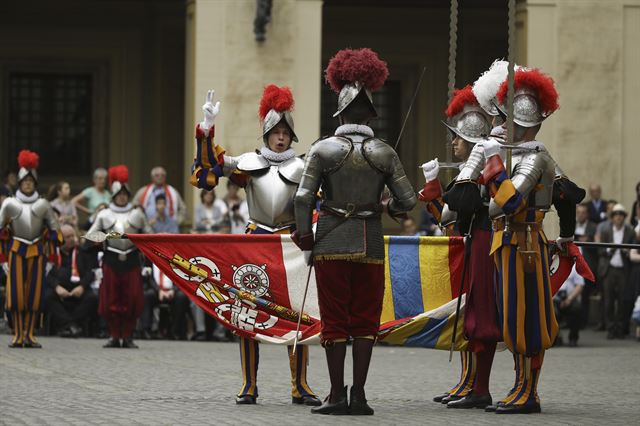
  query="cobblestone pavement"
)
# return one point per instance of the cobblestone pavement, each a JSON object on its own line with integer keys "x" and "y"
{"x": 78, "y": 382}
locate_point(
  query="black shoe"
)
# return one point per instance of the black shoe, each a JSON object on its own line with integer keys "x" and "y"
{"x": 128, "y": 343}
{"x": 28, "y": 343}
{"x": 492, "y": 408}
{"x": 340, "y": 408}
{"x": 573, "y": 343}
{"x": 112, "y": 343}
{"x": 15, "y": 345}
{"x": 449, "y": 398}
{"x": 439, "y": 398}
{"x": 358, "y": 405}
{"x": 472, "y": 401}
{"x": 246, "y": 400}
{"x": 309, "y": 400}
{"x": 71, "y": 331}
{"x": 518, "y": 409}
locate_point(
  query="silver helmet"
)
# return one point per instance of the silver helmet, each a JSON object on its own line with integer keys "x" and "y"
{"x": 272, "y": 119}
{"x": 486, "y": 87}
{"x": 349, "y": 93}
{"x": 118, "y": 186}
{"x": 472, "y": 124}
{"x": 526, "y": 109}
{"x": 24, "y": 172}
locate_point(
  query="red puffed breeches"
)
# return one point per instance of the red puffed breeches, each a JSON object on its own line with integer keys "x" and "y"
{"x": 350, "y": 297}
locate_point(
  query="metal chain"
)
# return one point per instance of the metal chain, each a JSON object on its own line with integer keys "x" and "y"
{"x": 453, "y": 47}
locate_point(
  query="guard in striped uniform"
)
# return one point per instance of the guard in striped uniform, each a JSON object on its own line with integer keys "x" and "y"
{"x": 519, "y": 246}
{"x": 30, "y": 251}
{"x": 270, "y": 177}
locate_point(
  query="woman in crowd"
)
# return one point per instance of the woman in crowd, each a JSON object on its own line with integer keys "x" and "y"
{"x": 211, "y": 214}
{"x": 60, "y": 198}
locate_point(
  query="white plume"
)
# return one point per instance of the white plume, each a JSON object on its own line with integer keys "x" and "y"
{"x": 486, "y": 86}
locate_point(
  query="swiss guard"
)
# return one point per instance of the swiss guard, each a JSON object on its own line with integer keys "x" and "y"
{"x": 121, "y": 297}
{"x": 353, "y": 167}
{"x": 520, "y": 197}
{"x": 29, "y": 251}
{"x": 270, "y": 177}
{"x": 469, "y": 125}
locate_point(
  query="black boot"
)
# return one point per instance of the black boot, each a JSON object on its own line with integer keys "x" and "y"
{"x": 339, "y": 406}
{"x": 336, "y": 402}
{"x": 472, "y": 401}
{"x": 439, "y": 398}
{"x": 362, "y": 349}
{"x": 112, "y": 343}
{"x": 358, "y": 403}
{"x": 128, "y": 343}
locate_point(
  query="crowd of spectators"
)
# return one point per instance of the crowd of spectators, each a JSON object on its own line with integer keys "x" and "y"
{"x": 71, "y": 291}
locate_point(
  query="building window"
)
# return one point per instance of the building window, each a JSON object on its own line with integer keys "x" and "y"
{"x": 387, "y": 102}
{"x": 51, "y": 115}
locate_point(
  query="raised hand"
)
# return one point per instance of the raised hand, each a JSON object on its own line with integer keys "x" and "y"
{"x": 491, "y": 147}
{"x": 210, "y": 110}
{"x": 430, "y": 170}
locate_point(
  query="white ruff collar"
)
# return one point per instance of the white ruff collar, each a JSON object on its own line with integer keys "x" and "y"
{"x": 27, "y": 198}
{"x": 118, "y": 209}
{"x": 349, "y": 129}
{"x": 277, "y": 157}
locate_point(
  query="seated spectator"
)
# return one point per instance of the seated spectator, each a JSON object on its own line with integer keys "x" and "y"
{"x": 161, "y": 223}
{"x": 94, "y": 195}
{"x": 568, "y": 306}
{"x": 409, "y": 227}
{"x": 60, "y": 197}
{"x": 211, "y": 215}
{"x": 159, "y": 290}
{"x": 585, "y": 232}
{"x": 238, "y": 209}
{"x": 69, "y": 299}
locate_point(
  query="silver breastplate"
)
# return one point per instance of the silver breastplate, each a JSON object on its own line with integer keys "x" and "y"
{"x": 28, "y": 220}
{"x": 271, "y": 190}
{"x": 130, "y": 222}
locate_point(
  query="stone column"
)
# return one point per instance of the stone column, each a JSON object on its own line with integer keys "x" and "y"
{"x": 222, "y": 54}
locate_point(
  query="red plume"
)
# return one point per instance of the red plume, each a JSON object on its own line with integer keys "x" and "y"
{"x": 28, "y": 159}
{"x": 460, "y": 99}
{"x": 118, "y": 173}
{"x": 361, "y": 65}
{"x": 540, "y": 83}
{"x": 274, "y": 97}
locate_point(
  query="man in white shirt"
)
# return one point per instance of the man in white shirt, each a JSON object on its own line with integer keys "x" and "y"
{"x": 613, "y": 272}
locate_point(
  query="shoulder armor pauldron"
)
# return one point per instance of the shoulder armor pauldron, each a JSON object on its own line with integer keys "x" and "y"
{"x": 251, "y": 162}
{"x": 12, "y": 207}
{"x": 291, "y": 169}
{"x": 333, "y": 152}
{"x": 137, "y": 218}
{"x": 378, "y": 154}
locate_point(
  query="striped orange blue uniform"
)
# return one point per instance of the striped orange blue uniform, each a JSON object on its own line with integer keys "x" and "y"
{"x": 431, "y": 194}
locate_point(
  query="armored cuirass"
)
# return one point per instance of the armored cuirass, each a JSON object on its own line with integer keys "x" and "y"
{"x": 355, "y": 176}
{"x": 123, "y": 222}
{"x": 271, "y": 190}
{"x": 27, "y": 220}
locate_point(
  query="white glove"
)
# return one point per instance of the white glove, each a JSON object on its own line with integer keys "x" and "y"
{"x": 307, "y": 257}
{"x": 5, "y": 268}
{"x": 491, "y": 147}
{"x": 561, "y": 242}
{"x": 430, "y": 170}
{"x": 146, "y": 271}
{"x": 97, "y": 274}
{"x": 210, "y": 110}
{"x": 48, "y": 268}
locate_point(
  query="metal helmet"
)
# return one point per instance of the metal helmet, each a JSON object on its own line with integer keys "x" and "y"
{"x": 349, "y": 93}
{"x": 351, "y": 72}
{"x": 276, "y": 105}
{"x": 28, "y": 162}
{"x": 535, "y": 97}
{"x": 272, "y": 119}
{"x": 466, "y": 118}
{"x": 118, "y": 178}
